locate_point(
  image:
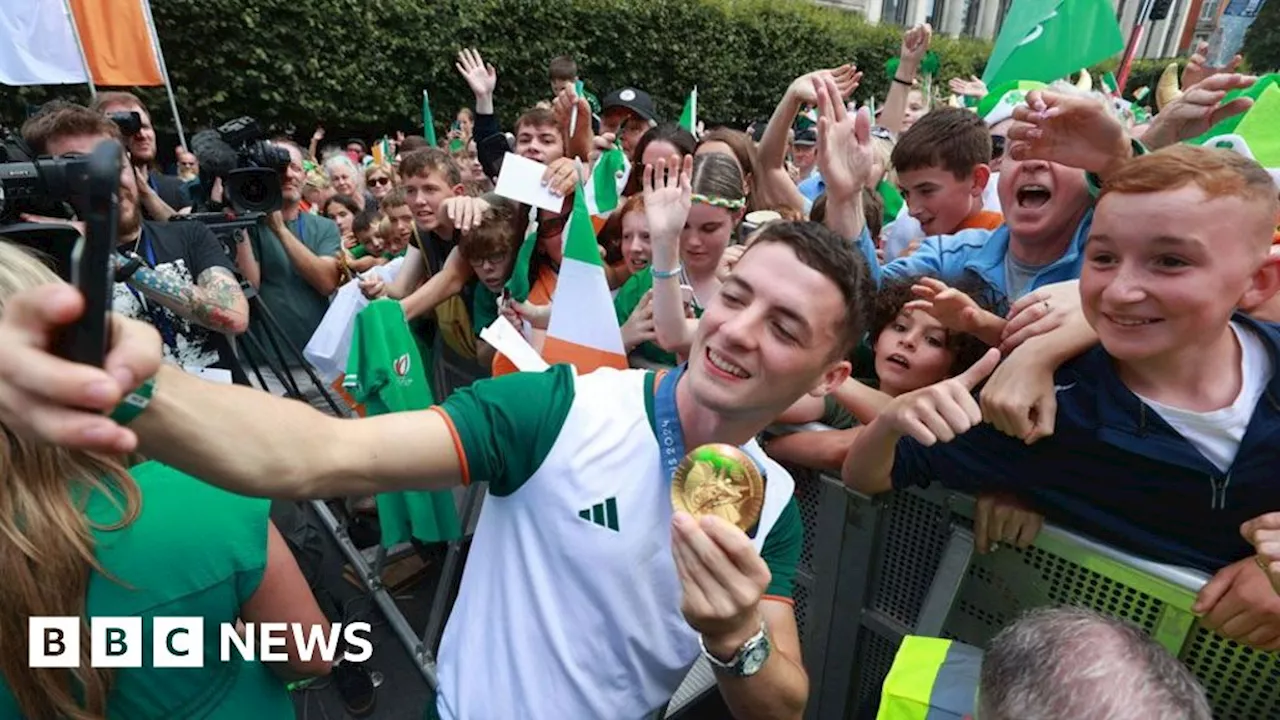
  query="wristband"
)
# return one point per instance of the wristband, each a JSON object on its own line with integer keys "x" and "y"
{"x": 134, "y": 403}
{"x": 666, "y": 274}
{"x": 900, "y": 81}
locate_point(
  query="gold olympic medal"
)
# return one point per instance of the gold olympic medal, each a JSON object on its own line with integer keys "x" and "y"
{"x": 719, "y": 480}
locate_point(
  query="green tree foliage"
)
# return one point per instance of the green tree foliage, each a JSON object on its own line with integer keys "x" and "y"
{"x": 359, "y": 66}
{"x": 1262, "y": 43}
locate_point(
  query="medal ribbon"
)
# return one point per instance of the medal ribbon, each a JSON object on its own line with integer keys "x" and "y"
{"x": 670, "y": 434}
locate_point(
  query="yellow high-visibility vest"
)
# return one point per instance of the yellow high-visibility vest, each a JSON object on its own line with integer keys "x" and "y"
{"x": 931, "y": 679}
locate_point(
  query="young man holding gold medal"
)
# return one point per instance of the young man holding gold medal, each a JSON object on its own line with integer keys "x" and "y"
{"x": 585, "y": 593}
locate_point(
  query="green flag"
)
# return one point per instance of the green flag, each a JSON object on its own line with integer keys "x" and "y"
{"x": 689, "y": 116}
{"x": 428, "y": 122}
{"x": 1050, "y": 39}
{"x": 607, "y": 176}
{"x": 518, "y": 283}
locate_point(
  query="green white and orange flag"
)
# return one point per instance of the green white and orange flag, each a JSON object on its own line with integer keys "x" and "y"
{"x": 689, "y": 116}
{"x": 584, "y": 328}
{"x": 382, "y": 152}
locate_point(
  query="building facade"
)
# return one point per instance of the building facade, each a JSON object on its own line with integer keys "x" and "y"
{"x": 1188, "y": 20}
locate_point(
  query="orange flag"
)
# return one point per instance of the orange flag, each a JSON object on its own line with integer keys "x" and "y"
{"x": 116, "y": 38}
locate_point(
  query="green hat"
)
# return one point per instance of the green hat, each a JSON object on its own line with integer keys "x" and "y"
{"x": 1257, "y": 134}
{"x": 998, "y": 104}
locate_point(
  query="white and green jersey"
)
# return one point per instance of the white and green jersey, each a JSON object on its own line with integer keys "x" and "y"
{"x": 570, "y": 602}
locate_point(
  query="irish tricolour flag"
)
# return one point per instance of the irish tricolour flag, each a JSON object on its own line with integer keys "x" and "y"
{"x": 584, "y": 328}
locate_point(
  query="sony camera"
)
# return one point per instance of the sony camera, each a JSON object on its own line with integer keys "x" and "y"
{"x": 248, "y": 165}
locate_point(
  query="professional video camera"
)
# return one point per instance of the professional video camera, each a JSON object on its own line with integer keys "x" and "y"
{"x": 249, "y": 167}
{"x": 84, "y": 187}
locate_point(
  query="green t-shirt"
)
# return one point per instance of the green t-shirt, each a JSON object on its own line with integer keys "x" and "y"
{"x": 507, "y": 427}
{"x": 296, "y": 306}
{"x": 625, "y": 303}
{"x": 384, "y": 368}
{"x": 193, "y": 551}
{"x": 484, "y": 308}
{"x": 359, "y": 251}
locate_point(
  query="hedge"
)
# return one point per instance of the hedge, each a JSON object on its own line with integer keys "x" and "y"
{"x": 359, "y": 66}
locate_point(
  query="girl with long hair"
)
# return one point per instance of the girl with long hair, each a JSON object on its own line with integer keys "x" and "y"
{"x": 84, "y": 536}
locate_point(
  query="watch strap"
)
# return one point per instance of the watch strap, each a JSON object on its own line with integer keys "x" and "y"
{"x": 735, "y": 665}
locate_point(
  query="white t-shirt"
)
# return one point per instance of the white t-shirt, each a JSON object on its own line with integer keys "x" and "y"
{"x": 1217, "y": 433}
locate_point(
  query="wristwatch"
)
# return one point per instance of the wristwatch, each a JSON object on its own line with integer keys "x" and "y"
{"x": 748, "y": 660}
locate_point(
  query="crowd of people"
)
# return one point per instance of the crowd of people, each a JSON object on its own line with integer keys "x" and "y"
{"x": 1030, "y": 296}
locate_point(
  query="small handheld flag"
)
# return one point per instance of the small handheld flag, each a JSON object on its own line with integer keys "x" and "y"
{"x": 428, "y": 122}
{"x": 689, "y": 116}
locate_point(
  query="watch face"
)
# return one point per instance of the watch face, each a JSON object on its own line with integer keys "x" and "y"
{"x": 755, "y": 659}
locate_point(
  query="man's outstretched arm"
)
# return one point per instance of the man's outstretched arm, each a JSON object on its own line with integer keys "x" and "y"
{"x": 240, "y": 439}
{"x": 254, "y": 443}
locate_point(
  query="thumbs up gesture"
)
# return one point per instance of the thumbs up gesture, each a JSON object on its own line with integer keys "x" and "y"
{"x": 942, "y": 411}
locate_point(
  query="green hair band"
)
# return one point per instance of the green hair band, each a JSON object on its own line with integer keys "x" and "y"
{"x": 719, "y": 202}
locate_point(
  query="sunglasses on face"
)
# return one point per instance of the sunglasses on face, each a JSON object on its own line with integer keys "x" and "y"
{"x": 997, "y": 146}
{"x": 380, "y": 181}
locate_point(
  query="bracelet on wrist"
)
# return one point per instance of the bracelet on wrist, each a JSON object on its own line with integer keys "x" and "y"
{"x": 900, "y": 81}
{"x": 666, "y": 274}
{"x": 134, "y": 403}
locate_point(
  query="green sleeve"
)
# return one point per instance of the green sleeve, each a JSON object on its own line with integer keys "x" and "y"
{"x": 628, "y": 297}
{"x": 359, "y": 251}
{"x": 507, "y": 426}
{"x": 781, "y": 550}
{"x": 484, "y": 309}
{"x": 836, "y": 415}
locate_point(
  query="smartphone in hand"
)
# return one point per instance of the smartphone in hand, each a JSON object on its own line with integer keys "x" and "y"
{"x": 90, "y": 268}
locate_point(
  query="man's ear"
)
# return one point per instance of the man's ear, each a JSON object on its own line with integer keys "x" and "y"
{"x": 459, "y": 189}
{"x": 1261, "y": 299}
{"x": 981, "y": 176}
{"x": 832, "y": 378}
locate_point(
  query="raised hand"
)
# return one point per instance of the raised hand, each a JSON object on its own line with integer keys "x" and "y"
{"x": 1079, "y": 132}
{"x": 973, "y": 87}
{"x": 728, "y": 261}
{"x": 846, "y": 77}
{"x": 48, "y": 399}
{"x": 845, "y": 155}
{"x": 1020, "y": 399}
{"x": 1198, "y": 68}
{"x": 573, "y": 117}
{"x": 1039, "y": 312}
{"x": 480, "y": 77}
{"x": 1199, "y": 108}
{"x": 539, "y": 316}
{"x": 667, "y": 199}
{"x": 957, "y": 311}
{"x": 372, "y": 286}
{"x": 944, "y": 410}
{"x": 915, "y": 43}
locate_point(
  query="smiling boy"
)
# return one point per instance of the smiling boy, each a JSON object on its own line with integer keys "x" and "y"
{"x": 1168, "y": 433}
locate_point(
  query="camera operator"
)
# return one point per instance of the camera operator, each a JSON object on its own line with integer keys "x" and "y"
{"x": 193, "y": 317}
{"x": 161, "y": 195}
{"x": 292, "y": 259}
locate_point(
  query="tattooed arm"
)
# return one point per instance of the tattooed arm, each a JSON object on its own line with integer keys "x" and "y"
{"x": 215, "y": 301}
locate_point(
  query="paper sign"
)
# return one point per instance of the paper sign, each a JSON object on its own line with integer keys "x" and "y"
{"x": 506, "y": 339}
{"x": 521, "y": 180}
{"x": 214, "y": 375}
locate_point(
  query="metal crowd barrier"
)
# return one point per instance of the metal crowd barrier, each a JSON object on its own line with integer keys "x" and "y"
{"x": 876, "y": 569}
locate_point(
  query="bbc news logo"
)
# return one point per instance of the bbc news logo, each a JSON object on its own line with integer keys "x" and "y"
{"x": 178, "y": 642}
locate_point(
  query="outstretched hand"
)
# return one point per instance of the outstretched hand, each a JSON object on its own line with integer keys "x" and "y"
{"x": 481, "y": 78}
{"x": 1079, "y": 132}
{"x": 668, "y": 195}
{"x": 956, "y": 310}
{"x": 845, "y": 155}
{"x": 1198, "y": 68}
{"x": 944, "y": 410}
{"x": 1199, "y": 108}
{"x": 846, "y": 77}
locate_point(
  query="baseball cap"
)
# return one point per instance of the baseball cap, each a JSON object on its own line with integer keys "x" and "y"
{"x": 633, "y": 99}
{"x": 807, "y": 136}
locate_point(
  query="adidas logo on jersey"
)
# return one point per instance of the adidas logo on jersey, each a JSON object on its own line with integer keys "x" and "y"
{"x": 604, "y": 514}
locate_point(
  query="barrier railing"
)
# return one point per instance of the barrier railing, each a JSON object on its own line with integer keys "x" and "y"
{"x": 904, "y": 563}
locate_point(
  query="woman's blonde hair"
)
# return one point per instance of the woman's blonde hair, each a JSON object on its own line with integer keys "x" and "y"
{"x": 383, "y": 168}
{"x": 47, "y": 544}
